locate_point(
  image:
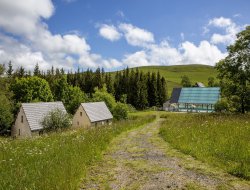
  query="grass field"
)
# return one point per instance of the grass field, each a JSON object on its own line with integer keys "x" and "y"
{"x": 196, "y": 73}
{"x": 59, "y": 160}
{"x": 220, "y": 140}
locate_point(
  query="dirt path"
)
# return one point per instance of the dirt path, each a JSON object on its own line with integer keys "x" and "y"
{"x": 140, "y": 159}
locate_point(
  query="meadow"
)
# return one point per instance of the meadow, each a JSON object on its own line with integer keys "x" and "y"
{"x": 58, "y": 160}
{"x": 220, "y": 140}
{"x": 196, "y": 73}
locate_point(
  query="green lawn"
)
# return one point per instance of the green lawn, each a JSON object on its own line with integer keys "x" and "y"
{"x": 220, "y": 140}
{"x": 59, "y": 160}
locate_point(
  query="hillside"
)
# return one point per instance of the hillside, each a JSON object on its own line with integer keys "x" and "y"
{"x": 196, "y": 73}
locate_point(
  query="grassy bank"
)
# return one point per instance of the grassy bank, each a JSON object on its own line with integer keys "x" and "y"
{"x": 57, "y": 161}
{"x": 220, "y": 140}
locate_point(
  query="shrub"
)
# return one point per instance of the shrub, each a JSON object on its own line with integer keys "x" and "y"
{"x": 120, "y": 111}
{"x": 221, "y": 106}
{"x": 6, "y": 116}
{"x": 56, "y": 119}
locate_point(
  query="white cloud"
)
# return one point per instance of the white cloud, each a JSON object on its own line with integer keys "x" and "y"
{"x": 136, "y": 59}
{"x": 220, "y": 22}
{"x": 163, "y": 54}
{"x": 34, "y": 43}
{"x": 230, "y": 30}
{"x": 205, "y": 53}
{"x": 109, "y": 32}
{"x": 24, "y": 19}
{"x": 23, "y": 16}
{"x": 136, "y": 36}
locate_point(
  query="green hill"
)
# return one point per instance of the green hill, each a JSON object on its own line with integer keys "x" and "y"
{"x": 196, "y": 73}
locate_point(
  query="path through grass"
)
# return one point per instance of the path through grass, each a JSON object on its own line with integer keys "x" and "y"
{"x": 220, "y": 140}
{"x": 57, "y": 161}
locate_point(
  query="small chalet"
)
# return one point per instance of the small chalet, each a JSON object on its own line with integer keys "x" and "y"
{"x": 30, "y": 115}
{"x": 92, "y": 114}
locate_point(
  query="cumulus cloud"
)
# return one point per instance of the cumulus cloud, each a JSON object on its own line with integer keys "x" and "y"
{"x": 204, "y": 53}
{"x": 109, "y": 32}
{"x": 36, "y": 44}
{"x": 163, "y": 54}
{"x": 136, "y": 36}
{"x": 228, "y": 26}
{"x": 26, "y": 39}
{"x": 23, "y": 16}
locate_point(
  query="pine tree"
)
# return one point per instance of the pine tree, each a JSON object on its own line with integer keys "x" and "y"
{"x": 163, "y": 92}
{"x": 98, "y": 78}
{"x": 142, "y": 101}
{"x": 10, "y": 70}
{"x": 37, "y": 71}
{"x": 21, "y": 72}
{"x": 152, "y": 96}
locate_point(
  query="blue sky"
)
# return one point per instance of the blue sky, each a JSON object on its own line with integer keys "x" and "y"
{"x": 116, "y": 33}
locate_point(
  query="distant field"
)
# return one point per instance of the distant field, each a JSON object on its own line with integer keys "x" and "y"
{"x": 196, "y": 73}
{"x": 220, "y": 140}
{"x": 59, "y": 160}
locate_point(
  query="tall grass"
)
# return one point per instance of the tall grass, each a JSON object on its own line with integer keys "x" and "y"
{"x": 221, "y": 140}
{"x": 59, "y": 160}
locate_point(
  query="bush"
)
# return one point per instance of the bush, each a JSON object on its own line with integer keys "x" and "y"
{"x": 120, "y": 111}
{"x": 221, "y": 106}
{"x": 55, "y": 120}
{"x": 6, "y": 116}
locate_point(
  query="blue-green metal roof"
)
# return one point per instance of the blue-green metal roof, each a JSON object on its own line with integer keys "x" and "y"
{"x": 198, "y": 95}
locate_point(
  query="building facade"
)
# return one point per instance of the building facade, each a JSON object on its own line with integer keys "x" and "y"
{"x": 92, "y": 114}
{"x": 29, "y": 117}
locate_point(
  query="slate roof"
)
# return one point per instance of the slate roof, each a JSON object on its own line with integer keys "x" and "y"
{"x": 97, "y": 111}
{"x": 175, "y": 95}
{"x": 35, "y": 112}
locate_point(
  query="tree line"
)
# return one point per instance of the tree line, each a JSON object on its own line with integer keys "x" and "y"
{"x": 129, "y": 86}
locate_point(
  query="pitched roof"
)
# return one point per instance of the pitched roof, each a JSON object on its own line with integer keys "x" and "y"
{"x": 35, "y": 112}
{"x": 97, "y": 111}
{"x": 175, "y": 95}
{"x": 196, "y": 95}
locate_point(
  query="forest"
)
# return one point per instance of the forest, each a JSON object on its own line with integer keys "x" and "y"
{"x": 129, "y": 87}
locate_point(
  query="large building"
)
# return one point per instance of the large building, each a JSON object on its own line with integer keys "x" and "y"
{"x": 30, "y": 115}
{"x": 194, "y": 99}
{"x": 92, "y": 114}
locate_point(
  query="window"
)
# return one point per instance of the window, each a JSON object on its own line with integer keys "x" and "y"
{"x": 80, "y": 113}
{"x": 21, "y": 119}
{"x": 77, "y": 122}
{"x": 19, "y": 132}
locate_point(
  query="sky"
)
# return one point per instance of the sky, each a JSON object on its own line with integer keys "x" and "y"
{"x": 114, "y": 34}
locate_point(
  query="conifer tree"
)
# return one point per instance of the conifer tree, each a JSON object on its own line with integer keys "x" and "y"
{"x": 10, "y": 70}
{"x": 37, "y": 71}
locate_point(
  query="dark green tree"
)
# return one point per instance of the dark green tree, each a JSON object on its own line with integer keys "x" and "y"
{"x": 2, "y": 69}
{"x": 152, "y": 90}
{"x": 10, "y": 70}
{"x": 60, "y": 88}
{"x": 37, "y": 71}
{"x": 234, "y": 72}
{"x": 6, "y": 116}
